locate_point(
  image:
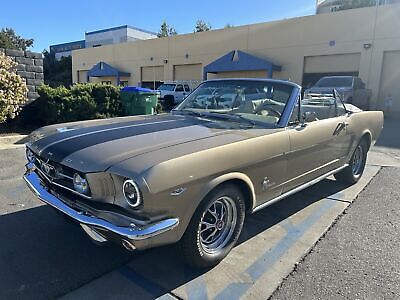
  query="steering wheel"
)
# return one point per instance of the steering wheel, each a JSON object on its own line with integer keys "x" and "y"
{"x": 265, "y": 111}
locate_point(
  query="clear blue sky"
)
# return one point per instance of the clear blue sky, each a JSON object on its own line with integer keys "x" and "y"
{"x": 58, "y": 21}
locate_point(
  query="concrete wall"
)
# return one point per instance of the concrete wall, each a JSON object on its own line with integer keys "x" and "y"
{"x": 30, "y": 67}
{"x": 287, "y": 43}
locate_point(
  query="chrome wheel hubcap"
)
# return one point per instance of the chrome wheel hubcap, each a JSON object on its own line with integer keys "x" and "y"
{"x": 217, "y": 224}
{"x": 357, "y": 161}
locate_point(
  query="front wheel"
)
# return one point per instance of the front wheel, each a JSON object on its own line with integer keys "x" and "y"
{"x": 215, "y": 227}
{"x": 352, "y": 173}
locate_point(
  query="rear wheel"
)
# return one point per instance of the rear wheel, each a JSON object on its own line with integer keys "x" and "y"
{"x": 215, "y": 227}
{"x": 353, "y": 172}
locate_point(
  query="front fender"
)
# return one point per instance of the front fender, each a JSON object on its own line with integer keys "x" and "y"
{"x": 208, "y": 187}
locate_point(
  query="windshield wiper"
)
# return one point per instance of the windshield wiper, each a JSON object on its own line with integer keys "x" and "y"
{"x": 215, "y": 115}
{"x": 229, "y": 116}
{"x": 188, "y": 112}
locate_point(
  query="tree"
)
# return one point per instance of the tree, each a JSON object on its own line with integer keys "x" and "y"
{"x": 228, "y": 26}
{"x": 202, "y": 26}
{"x": 9, "y": 39}
{"x": 12, "y": 89}
{"x": 57, "y": 72}
{"x": 166, "y": 30}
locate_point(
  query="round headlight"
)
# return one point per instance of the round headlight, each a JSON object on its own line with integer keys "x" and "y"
{"x": 132, "y": 193}
{"x": 29, "y": 155}
{"x": 80, "y": 184}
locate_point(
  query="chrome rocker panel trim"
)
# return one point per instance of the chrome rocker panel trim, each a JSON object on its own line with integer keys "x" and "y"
{"x": 298, "y": 189}
{"x": 133, "y": 233}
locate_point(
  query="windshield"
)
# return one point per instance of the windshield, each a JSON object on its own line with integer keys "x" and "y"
{"x": 256, "y": 101}
{"x": 335, "y": 82}
{"x": 166, "y": 87}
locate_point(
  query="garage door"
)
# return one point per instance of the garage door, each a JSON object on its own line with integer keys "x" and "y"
{"x": 332, "y": 63}
{"x": 390, "y": 87}
{"x": 240, "y": 74}
{"x": 82, "y": 76}
{"x": 155, "y": 73}
{"x": 316, "y": 67}
{"x": 188, "y": 72}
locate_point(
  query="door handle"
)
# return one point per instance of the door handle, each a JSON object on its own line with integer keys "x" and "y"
{"x": 340, "y": 127}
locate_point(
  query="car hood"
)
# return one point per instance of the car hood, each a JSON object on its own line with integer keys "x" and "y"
{"x": 95, "y": 146}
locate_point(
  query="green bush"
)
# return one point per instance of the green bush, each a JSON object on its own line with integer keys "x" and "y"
{"x": 80, "y": 102}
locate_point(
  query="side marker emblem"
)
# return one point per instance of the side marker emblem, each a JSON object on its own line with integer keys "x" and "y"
{"x": 179, "y": 191}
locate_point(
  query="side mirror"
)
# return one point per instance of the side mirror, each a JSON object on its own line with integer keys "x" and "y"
{"x": 309, "y": 116}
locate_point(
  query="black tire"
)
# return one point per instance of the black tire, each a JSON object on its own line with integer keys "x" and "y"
{"x": 198, "y": 252}
{"x": 352, "y": 173}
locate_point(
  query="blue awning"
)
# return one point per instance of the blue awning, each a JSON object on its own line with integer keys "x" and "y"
{"x": 237, "y": 60}
{"x": 102, "y": 69}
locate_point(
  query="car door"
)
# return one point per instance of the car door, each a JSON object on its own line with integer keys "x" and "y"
{"x": 316, "y": 146}
{"x": 343, "y": 137}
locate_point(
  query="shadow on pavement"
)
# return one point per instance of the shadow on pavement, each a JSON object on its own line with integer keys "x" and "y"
{"x": 42, "y": 256}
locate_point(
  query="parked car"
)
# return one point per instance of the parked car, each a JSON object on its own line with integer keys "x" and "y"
{"x": 175, "y": 91}
{"x": 232, "y": 147}
{"x": 352, "y": 89}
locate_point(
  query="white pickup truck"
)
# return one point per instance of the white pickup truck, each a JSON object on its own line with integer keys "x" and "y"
{"x": 352, "y": 89}
{"x": 175, "y": 91}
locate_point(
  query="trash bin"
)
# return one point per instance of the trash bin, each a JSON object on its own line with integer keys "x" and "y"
{"x": 138, "y": 101}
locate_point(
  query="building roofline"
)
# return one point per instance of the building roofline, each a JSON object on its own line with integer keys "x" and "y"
{"x": 119, "y": 27}
{"x": 68, "y": 43}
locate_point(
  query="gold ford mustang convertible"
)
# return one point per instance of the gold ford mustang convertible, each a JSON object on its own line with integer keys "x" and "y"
{"x": 232, "y": 146}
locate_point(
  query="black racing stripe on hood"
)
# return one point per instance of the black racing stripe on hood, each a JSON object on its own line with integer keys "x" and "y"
{"x": 62, "y": 149}
{"x": 59, "y": 136}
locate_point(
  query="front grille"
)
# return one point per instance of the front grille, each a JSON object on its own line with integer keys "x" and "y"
{"x": 57, "y": 175}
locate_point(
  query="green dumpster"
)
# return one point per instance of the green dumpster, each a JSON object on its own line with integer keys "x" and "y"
{"x": 138, "y": 101}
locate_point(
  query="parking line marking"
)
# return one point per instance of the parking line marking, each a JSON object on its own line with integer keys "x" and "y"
{"x": 151, "y": 287}
{"x": 195, "y": 289}
{"x": 272, "y": 255}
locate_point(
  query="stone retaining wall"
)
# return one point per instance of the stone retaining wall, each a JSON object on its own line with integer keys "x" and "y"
{"x": 30, "y": 67}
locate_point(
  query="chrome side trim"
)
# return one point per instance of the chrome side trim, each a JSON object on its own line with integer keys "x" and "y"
{"x": 132, "y": 233}
{"x": 298, "y": 189}
{"x": 310, "y": 172}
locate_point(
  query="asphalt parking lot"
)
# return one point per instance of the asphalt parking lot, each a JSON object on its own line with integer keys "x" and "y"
{"x": 42, "y": 256}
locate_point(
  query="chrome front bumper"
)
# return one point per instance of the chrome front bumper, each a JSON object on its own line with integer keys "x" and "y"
{"x": 127, "y": 235}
